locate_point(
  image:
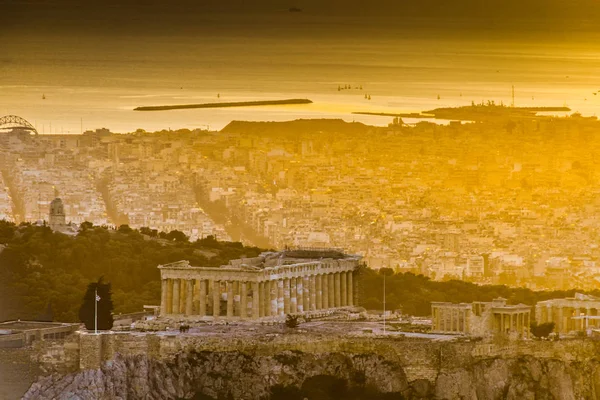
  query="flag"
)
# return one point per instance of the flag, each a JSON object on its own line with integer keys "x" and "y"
{"x": 97, "y": 298}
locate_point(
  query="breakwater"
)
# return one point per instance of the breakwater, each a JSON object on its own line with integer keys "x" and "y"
{"x": 225, "y": 105}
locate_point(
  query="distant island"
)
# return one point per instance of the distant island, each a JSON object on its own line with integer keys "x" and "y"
{"x": 474, "y": 112}
{"x": 223, "y": 105}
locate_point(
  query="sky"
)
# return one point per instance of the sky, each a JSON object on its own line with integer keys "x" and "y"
{"x": 160, "y": 16}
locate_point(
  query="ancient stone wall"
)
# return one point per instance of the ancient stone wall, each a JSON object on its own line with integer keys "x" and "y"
{"x": 420, "y": 357}
{"x": 17, "y": 372}
{"x": 179, "y": 366}
{"x": 57, "y": 356}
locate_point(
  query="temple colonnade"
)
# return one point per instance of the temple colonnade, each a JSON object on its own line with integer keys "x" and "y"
{"x": 252, "y": 294}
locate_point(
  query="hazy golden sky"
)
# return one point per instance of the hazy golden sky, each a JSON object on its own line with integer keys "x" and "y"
{"x": 160, "y": 15}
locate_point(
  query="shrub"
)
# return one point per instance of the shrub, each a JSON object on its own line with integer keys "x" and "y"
{"x": 541, "y": 330}
{"x": 291, "y": 321}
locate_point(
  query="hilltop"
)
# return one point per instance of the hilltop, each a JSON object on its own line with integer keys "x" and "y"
{"x": 299, "y": 126}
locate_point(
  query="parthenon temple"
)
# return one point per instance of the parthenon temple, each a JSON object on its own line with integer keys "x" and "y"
{"x": 275, "y": 284}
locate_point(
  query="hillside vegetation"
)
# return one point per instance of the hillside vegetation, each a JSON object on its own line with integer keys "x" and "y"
{"x": 44, "y": 274}
{"x": 414, "y": 293}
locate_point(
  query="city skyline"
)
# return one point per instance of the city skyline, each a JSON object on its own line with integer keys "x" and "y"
{"x": 235, "y": 199}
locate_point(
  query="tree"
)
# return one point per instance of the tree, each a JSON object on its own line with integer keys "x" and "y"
{"x": 209, "y": 241}
{"x": 144, "y": 230}
{"x": 105, "y": 306}
{"x": 85, "y": 225}
{"x": 124, "y": 229}
{"x": 176, "y": 236}
{"x": 291, "y": 321}
{"x": 542, "y": 330}
{"x": 48, "y": 315}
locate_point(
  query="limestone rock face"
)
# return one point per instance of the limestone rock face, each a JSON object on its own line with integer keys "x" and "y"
{"x": 239, "y": 376}
{"x": 216, "y": 374}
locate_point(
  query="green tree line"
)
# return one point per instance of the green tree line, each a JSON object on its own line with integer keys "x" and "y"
{"x": 44, "y": 272}
{"x": 414, "y": 293}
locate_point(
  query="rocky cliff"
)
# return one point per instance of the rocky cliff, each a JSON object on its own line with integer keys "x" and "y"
{"x": 295, "y": 374}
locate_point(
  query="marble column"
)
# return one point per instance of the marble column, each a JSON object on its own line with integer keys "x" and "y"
{"x": 236, "y": 299}
{"x": 189, "y": 297}
{"x": 267, "y": 298}
{"x": 216, "y": 298}
{"x": 350, "y": 284}
{"x": 280, "y": 297}
{"x": 176, "y": 287}
{"x": 261, "y": 299}
{"x": 230, "y": 300}
{"x": 312, "y": 289}
{"x": 456, "y": 320}
{"x": 163, "y": 297}
{"x": 209, "y": 296}
{"x": 202, "y": 300}
{"x": 182, "y": 295}
{"x": 196, "y": 306}
{"x": 453, "y": 327}
{"x": 300, "y": 294}
{"x": 286, "y": 296}
{"x": 255, "y": 300}
{"x": 588, "y": 313}
{"x": 243, "y": 299}
{"x": 273, "y": 293}
{"x": 331, "y": 290}
{"x": 294, "y": 296}
{"x": 444, "y": 318}
{"x": 325, "y": 289}
{"x": 306, "y": 293}
{"x": 343, "y": 289}
{"x": 319, "y": 291}
{"x": 338, "y": 297}
{"x": 169, "y": 296}
{"x": 560, "y": 323}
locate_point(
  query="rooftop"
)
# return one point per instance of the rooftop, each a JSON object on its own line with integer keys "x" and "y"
{"x": 19, "y": 326}
{"x": 273, "y": 259}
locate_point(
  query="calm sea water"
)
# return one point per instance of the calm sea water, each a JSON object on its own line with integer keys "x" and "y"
{"x": 97, "y": 80}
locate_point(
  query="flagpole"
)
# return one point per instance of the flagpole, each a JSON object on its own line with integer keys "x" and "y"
{"x": 96, "y": 312}
{"x": 384, "y": 303}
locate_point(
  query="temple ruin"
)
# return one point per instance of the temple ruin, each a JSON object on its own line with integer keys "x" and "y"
{"x": 303, "y": 281}
{"x": 572, "y": 314}
{"x": 481, "y": 318}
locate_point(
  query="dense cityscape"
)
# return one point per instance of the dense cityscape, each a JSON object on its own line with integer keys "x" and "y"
{"x": 492, "y": 202}
{"x": 311, "y": 200}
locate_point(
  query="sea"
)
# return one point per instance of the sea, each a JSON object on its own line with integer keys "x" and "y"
{"x": 66, "y": 81}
